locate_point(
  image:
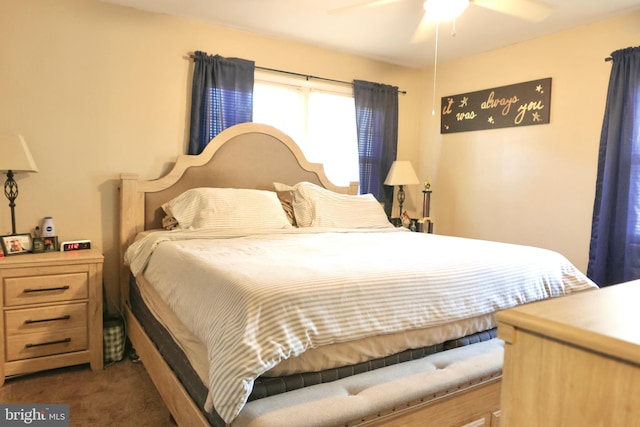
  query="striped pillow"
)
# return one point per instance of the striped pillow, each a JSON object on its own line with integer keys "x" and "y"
{"x": 225, "y": 208}
{"x": 302, "y": 208}
{"x": 315, "y": 206}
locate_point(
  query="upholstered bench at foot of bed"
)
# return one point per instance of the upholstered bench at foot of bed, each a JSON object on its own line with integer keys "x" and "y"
{"x": 392, "y": 392}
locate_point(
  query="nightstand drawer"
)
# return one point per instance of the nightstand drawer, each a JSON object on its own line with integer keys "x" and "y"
{"x": 45, "y": 319}
{"x": 34, "y": 332}
{"x": 26, "y": 346}
{"x": 45, "y": 289}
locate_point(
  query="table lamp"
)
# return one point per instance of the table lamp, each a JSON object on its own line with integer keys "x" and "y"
{"x": 15, "y": 157}
{"x": 401, "y": 174}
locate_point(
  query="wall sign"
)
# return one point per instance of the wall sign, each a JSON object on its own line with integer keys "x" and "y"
{"x": 521, "y": 104}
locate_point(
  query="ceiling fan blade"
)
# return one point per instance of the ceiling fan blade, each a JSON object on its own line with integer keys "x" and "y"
{"x": 424, "y": 31}
{"x": 366, "y": 4}
{"x": 530, "y": 10}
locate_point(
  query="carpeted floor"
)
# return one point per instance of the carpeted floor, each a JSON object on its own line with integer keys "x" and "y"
{"x": 120, "y": 395}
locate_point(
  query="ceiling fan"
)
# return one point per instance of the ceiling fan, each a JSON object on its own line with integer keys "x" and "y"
{"x": 446, "y": 10}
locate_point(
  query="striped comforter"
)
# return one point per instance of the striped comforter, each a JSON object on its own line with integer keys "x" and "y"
{"x": 255, "y": 299}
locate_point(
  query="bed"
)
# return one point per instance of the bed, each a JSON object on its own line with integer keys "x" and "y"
{"x": 257, "y": 293}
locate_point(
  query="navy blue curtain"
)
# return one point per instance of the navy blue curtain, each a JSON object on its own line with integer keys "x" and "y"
{"x": 614, "y": 253}
{"x": 377, "y": 127}
{"x": 222, "y": 96}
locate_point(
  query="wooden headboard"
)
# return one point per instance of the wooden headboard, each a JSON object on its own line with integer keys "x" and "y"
{"x": 248, "y": 155}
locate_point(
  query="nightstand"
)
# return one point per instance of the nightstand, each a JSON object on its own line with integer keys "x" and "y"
{"x": 51, "y": 307}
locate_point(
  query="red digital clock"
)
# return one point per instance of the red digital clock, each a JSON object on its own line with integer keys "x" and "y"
{"x": 75, "y": 245}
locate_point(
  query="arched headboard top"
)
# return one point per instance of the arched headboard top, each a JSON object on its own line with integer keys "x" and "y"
{"x": 248, "y": 155}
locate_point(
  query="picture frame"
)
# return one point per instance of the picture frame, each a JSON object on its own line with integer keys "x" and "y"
{"x": 16, "y": 244}
{"x": 38, "y": 245}
{"x": 50, "y": 244}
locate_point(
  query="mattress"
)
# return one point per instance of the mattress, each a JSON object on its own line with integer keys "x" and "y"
{"x": 180, "y": 351}
{"x": 323, "y": 296}
{"x": 324, "y": 358}
{"x": 172, "y": 353}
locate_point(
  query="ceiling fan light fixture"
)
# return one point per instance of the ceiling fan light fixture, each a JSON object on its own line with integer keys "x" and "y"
{"x": 445, "y": 10}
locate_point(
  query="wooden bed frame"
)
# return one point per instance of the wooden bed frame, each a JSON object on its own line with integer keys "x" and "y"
{"x": 252, "y": 155}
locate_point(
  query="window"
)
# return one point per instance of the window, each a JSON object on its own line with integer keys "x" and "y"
{"x": 318, "y": 116}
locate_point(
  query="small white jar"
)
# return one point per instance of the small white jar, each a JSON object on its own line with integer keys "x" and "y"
{"x": 48, "y": 229}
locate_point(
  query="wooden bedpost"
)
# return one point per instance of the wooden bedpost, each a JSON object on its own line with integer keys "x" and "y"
{"x": 131, "y": 220}
{"x": 353, "y": 187}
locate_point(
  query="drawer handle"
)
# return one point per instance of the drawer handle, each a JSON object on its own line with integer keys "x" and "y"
{"x": 65, "y": 317}
{"x": 48, "y": 343}
{"x": 60, "y": 288}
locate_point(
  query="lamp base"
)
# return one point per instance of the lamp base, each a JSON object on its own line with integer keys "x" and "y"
{"x": 400, "y": 198}
{"x": 11, "y": 192}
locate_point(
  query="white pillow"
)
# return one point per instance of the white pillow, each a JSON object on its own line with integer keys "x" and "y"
{"x": 315, "y": 206}
{"x": 224, "y": 208}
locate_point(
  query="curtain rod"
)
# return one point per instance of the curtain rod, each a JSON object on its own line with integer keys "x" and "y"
{"x": 608, "y": 58}
{"x": 307, "y": 76}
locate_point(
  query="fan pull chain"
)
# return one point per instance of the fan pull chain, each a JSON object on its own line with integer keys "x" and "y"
{"x": 435, "y": 72}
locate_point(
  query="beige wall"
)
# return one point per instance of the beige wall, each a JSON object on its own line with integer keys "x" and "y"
{"x": 98, "y": 89}
{"x": 533, "y": 185}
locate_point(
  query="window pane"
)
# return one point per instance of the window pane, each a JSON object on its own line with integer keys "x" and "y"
{"x": 282, "y": 107}
{"x": 323, "y": 124}
{"x": 332, "y": 136}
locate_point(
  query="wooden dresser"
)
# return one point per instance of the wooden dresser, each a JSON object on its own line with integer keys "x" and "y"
{"x": 51, "y": 307}
{"x": 573, "y": 361}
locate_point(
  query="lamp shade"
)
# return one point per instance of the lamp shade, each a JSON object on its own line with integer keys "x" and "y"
{"x": 401, "y": 173}
{"x": 14, "y": 154}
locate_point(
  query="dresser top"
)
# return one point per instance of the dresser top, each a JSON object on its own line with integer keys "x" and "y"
{"x": 52, "y": 258}
{"x": 604, "y": 320}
